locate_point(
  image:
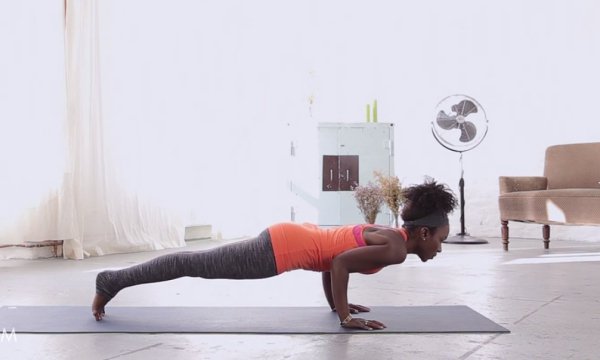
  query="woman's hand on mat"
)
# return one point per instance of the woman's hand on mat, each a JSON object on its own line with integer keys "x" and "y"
{"x": 355, "y": 309}
{"x": 363, "y": 324}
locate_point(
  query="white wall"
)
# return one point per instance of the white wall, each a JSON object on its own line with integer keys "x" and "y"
{"x": 32, "y": 106}
{"x": 533, "y": 66}
{"x": 206, "y": 95}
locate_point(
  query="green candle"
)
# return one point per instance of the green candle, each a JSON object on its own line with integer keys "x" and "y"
{"x": 375, "y": 111}
{"x": 368, "y": 113}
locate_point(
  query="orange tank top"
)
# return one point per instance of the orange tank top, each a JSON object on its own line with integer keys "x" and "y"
{"x": 309, "y": 247}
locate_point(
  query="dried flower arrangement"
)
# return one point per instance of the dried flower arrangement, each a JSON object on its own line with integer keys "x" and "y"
{"x": 369, "y": 199}
{"x": 393, "y": 195}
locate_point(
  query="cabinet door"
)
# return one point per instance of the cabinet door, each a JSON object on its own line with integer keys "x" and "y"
{"x": 348, "y": 172}
{"x": 340, "y": 173}
{"x": 331, "y": 173}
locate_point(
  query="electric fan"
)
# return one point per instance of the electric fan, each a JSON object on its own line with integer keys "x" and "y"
{"x": 460, "y": 125}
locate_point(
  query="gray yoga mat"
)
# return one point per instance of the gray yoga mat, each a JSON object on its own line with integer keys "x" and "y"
{"x": 240, "y": 320}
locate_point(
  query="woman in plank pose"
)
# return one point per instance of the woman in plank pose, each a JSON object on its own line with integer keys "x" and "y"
{"x": 336, "y": 252}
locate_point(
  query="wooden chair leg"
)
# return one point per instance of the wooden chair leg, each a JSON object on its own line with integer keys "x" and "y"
{"x": 546, "y": 235}
{"x": 505, "y": 234}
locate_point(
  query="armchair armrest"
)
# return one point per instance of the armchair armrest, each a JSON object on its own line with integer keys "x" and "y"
{"x": 522, "y": 183}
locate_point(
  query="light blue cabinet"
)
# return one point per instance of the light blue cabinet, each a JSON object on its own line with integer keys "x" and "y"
{"x": 349, "y": 154}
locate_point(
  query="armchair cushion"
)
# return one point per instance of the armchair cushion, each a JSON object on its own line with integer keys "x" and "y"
{"x": 556, "y": 206}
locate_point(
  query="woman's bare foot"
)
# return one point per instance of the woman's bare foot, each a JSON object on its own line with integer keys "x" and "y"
{"x": 103, "y": 288}
{"x": 98, "y": 306}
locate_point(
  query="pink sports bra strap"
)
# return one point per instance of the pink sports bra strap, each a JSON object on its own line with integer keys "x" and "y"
{"x": 358, "y": 234}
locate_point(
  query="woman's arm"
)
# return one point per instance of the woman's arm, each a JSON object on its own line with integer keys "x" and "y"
{"x": 326, "y": 277}
{"x": 358, "y": 260}
{"x": 353, "y": 308}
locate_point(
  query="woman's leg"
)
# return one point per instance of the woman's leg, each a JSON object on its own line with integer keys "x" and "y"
{"x": 249, "y": 259}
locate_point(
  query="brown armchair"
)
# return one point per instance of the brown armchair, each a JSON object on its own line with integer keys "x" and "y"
{"x": 567, "y": 194}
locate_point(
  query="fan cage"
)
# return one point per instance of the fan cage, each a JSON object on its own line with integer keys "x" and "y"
{"x": 450, "y": 138}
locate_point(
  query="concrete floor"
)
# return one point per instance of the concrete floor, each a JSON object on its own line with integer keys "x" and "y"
{"x": 550, "y": 300}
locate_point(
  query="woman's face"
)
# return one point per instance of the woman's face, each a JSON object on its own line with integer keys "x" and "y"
{"x": 430, "y": 243}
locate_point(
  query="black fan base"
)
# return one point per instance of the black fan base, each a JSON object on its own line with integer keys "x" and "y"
{"x": 464, "y": 239}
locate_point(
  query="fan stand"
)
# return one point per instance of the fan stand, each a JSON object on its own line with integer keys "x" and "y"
{"x": 463, "y": 237}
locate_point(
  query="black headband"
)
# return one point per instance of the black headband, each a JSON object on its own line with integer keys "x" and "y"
{"x": 434, "y": 219}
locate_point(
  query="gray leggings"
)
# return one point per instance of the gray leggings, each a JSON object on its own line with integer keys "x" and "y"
{"x": 248, "y": 259}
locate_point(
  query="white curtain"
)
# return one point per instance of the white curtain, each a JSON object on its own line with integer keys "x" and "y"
{"x": 181, "y": 117}
{"x": 105, "y": 217}
{"x": 81, "y": 201}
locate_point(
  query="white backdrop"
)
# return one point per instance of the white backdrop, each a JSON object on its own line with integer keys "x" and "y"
{"x": 201, "y": 98}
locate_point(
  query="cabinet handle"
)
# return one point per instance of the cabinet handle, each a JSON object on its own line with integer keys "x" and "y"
{"x": 330, "y": 175}
{"x": 347, "y": 174}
